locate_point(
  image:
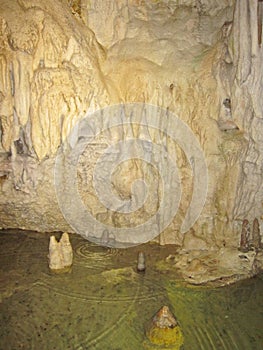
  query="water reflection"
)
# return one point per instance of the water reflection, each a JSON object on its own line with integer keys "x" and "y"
{"x": 104, "y": 304}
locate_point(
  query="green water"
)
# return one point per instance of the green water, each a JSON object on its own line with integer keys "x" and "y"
{"x": 104, "y": 304}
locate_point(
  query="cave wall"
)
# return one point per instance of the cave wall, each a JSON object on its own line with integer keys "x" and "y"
{"x": 201, "y": 60}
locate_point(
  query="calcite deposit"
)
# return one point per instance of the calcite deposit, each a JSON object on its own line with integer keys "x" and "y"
{"x": 164, "y": 330}
{"x": 200, "y": 60}
{"x": 141, "y": 265}
{"x": 60, "y": 254}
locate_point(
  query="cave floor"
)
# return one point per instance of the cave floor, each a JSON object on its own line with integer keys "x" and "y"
{"x": 103, "y": 303}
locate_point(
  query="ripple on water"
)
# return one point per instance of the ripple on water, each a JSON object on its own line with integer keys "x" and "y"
{"x": 215, "y": 319}
{"x": 108, "y": 309}
{"x": 206, "y": 336}
{"x": 92, "y": 256}
{"x": 65, "y": 320}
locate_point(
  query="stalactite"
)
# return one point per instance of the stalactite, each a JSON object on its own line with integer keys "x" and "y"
{"x": 12, "y": 79}
{"x": 260, "y": 20}
{"x": 243, "y": 35}
{"x": 1, "y": 134}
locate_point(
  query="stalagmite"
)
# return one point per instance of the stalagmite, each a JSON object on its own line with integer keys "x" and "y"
{"x": 60, "y": 254}
{"x": 164, "y": 330}
{"x": 256, "y": 238}
{"x": 245, "y": 236}
{"x": 141, "y": 266}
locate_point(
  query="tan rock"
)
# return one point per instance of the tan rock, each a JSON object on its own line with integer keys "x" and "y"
{"x": 164, "y": 330}
{"x": 60, "y": 254}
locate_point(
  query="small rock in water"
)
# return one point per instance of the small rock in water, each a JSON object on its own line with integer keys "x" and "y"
{"x": 105, "y": 237}
{"x": 141, "y": 267}
{"x": 165, "y": 330}
{"x": 164, "y": 318}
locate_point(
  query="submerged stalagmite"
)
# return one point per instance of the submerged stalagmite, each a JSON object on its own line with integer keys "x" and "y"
{"x": 164, "y": 330}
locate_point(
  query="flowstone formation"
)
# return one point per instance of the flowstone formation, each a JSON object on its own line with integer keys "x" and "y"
{"x": 198, "y": 60}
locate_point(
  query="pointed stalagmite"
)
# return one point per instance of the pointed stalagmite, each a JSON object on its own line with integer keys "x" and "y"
{"x": 60, "y": 254}
{"x": 164, "y": 330}
{"x": 245, "y": 234}
{"x": 256, "y": 238}
{"x": 141, "y": 267}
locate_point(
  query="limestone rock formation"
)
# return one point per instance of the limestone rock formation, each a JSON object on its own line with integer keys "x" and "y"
{"x": 141, "y": 264}
{"x": 256, "y": 237}
{"x": 60, "y": 254}
{"x": 163, "y": 330}
{"x": 200, "y": 60}
{"x": 245, "y": 236}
